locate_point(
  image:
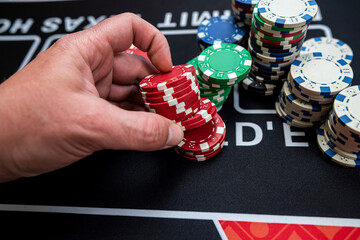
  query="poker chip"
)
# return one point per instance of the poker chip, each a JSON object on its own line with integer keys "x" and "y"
{"x": 273, "y": 56}
{"x": 329, "y": 46}
{"x": 265, "y": 39}
{"x": 329, "y": 140}
{"x": 169, "y": 91}
{"x": 160, "y": 82}
{"x": 296, "y": 90}
{"x": 200, "y": 157}
{"x": 300, "y": 105}
{"x": 184, "y": 101}
{"x": 257, "y": 86}
{"x": 136, "y": 51}
{"x": 205, "y": 113}
{"x": 293, "y": 121}
{"x": 203, "y": 139}
{"x": 329, "y": 151}
{"x": 271, "y": 27}
{"x": 246, "y": 3}
{"x": 338, "y": 140}
{"x": 176, "y": 96}
{"x": 269, "y": 36}
{"x": 222, "y": 63}
{"x": 346, "y": 116}
{"x": 301, "y": 110}
{"x": 279, "y": 34}
{"x": 221, "y": 29}
{"x": 287, "y": 13}
{"x": 320, "y": 75}
{"x": 218, "y": 68}
{"x": 243, "y": 10}
{"x": 274, "y": 46}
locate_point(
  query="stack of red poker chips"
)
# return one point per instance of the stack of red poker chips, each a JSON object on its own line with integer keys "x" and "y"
{"x": 175, "y": 95}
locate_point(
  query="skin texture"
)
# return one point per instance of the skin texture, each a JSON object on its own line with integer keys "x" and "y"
{"x": 82, "y": 95}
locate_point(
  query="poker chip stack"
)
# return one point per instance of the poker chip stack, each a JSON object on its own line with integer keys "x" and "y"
{"x": 221, "y": 29}
{"x": 339, "y": 137}
{"x": 175, "y": 95}
{"x": 313, "y": 82}
{"x": 243, "y": 9}
{"x": 218, "y": 68}
{"x": 278, "y": 29}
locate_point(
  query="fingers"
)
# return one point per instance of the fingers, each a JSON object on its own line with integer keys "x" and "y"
{"x": 131, "y": 106}
{"x": 118, "y": 33}
{"x": 131, "y": 69}
{"x": 121, "y": 129}
{"x": 119, "y": 93}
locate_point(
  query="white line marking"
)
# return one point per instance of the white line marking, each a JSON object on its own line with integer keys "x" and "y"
{"x": 50, "y": 40}
{"x": 220, "y": 230}
{"x": 248, "y": 111}
{"x": 344, "y": 222}
{"x": 180, "y": 32}
{"x": 326, "y": 29}
{"x": 32, "y": 49}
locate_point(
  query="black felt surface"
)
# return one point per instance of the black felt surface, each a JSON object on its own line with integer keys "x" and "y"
{"x": 269, "y": 178}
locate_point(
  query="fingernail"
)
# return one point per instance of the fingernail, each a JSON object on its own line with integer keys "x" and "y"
{"x": 175, "y": 136}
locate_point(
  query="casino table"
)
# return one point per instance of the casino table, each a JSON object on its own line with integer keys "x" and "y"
{"x": 270, "y": 181}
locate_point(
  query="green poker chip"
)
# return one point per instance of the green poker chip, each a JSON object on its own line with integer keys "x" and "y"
{"x": 216, "y": 92}
{"x": 193, "y": 62}
{"x": 224, "y": 64}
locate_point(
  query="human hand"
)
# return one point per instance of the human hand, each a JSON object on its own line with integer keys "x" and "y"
{"x": 58, "y": 109}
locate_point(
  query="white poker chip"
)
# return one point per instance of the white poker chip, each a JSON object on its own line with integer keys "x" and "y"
{"x": 287, "y": 13}
{"x": 331, "y": 46}
{"x": 320, "y": 74}
{"x": 347, "y": 109}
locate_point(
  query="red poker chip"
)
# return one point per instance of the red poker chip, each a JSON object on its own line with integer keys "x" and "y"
{"x": 174, "y": 95}
{"x": 185, "y": 104}
{"x": 204, "y": 138}
{"x": 168, "y": 91}
{"x": 197, "y": 124}
{"x": 200, "y": 158}
{"x": 206, "y": 108}
{"x": 243, "y": 9}
{"x": 134, "y": 50}
{"x": 162, "y": 81}
{"x": 210, "y": 151}
{"x": 214, "y": 148}
{"x": 171, "y": 104}
{"x": 277, "y": 43}
{"x": 200, "y": 118}
{"x": 182, "y": 114}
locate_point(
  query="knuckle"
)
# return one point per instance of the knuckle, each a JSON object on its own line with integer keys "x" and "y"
{"x": 129, "y": 15}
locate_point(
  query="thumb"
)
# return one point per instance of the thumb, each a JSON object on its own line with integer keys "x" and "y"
{"x": 134, "y": 130}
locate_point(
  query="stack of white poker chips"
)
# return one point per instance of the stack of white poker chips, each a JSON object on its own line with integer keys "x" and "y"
{"x": 339, "y": 137}
{"x": 314, "y": 81}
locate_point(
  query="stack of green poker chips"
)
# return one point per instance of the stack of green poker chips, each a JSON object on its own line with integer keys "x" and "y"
{"x": 219, "y": 68}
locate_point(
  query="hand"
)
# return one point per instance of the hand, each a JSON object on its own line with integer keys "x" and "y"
{"x": 75, "y": 97}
